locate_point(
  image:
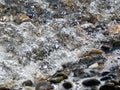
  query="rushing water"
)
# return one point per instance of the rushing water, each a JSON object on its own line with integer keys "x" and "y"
{"x": 28, "y": 50}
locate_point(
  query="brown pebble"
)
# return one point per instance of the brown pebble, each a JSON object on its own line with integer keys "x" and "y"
{"x": 4, "y": 88}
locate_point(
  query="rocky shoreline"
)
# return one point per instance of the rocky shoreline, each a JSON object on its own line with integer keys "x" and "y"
{"x": 59, "y": 45}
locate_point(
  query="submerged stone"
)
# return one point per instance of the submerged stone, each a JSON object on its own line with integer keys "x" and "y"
{"x": 91, "y": 82}
{"x": 67, "y": 85}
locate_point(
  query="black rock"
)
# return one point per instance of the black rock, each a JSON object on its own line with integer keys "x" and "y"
{"x": 107, "y": 87}
{"x": 105, "y": 48}
{"x": 91, "y": 82}
{"x": 105, "y": 73}
{"x": 27, "y": 83}
{"x": 67, "y": 85}
{"x": 106, "y": 78}
{"x": 112, "y": 75}
{"x": 4, "y": 88}
{"x": 116, "y": 43}
{"x": 44, "y": 85}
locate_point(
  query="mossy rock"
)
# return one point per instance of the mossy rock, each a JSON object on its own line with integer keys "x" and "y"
{"x": 56, "y": 79}
{"x": 61, "y": 74}
{"x": 95, "y": 51}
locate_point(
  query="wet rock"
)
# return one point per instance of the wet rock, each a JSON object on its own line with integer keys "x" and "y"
{"x": 116, "y": 43}
{"x": 113, "y": 75}
{"x": 78, "y": 72}
{"x": 81, "y": 73}
{"x": 114, "y": 28}
{"x": 105, "y": 48}
{"x": 91, "y": 82}
{"x": 4, "y": 88}
{"x": 27, "y": 83}
{"x": 61, "y": 74}
{"x": 21, "y": 18}
{"x": 106, "y": 78}
{"x": 94, "y": 72}
{"x": 58, "y": 77}
{"x": 95, "y": 51}
{"x": 115, "y": 82}
{"x": 67, "y": 85}
{"x": 107, "y": 87}
{"x": 93, "y": 66}
{"x": 44, "y": 85}
{"x": 89, "y": 60}
{"x": 105, "y": 73}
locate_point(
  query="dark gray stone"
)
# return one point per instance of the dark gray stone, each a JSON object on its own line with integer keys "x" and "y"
{"x": 91, "y": 82}
{"x": 67, "y": 85}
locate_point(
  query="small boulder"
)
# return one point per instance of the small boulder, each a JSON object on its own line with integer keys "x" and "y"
{"x": 95, "y": 51}
{"x": 116, "y": 43}
{"x": 91, "y": 82}
{"x": 67, "y": 85}
{"x": 58, "y": 77}
{"x": 105, "y": 48}
{"x": 106, "y": 78}
{"x": 94, "y": 66}
{"x": 107, "y": 87}
{"x": 104, "y": 73}
{"x": 115, "y": 82}
{"x": 21, "y": 18}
